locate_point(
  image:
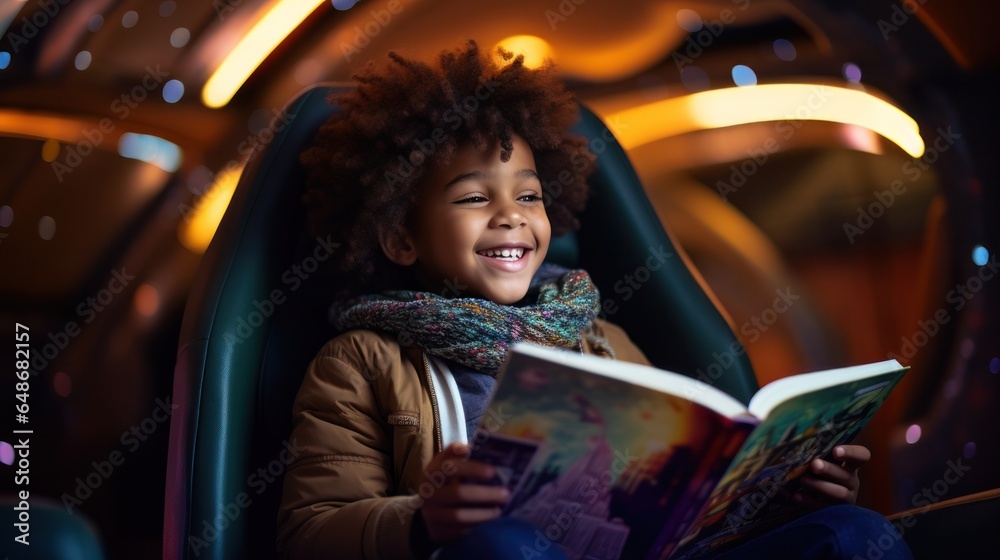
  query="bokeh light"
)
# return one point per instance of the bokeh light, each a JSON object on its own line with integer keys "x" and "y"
{"x": 4, "y": 60}
{"x": 980, "y": 255}
{"x": 689, "y": 20}
{"x": 168, "y": 8}
{"x": 344, "y": 4}
{"x": 95, "y": 22}
{"x": 913, "y": 433}
{"x": 994, "y": 363}
{"x": 47, "y": 227}
{"x": 695, "y": 79}
{"x": 851, "y": 72}
{"x": 784, "y": 50}
{"x": 180, "y": 37}
{"x": 744, "y": 76}
{"x": 309, "y": 71}
{"x": 969, "y": 451}
{"x": 146, "y": 300}
{"x": 50, "y": 150}
{"x": 62, "y": 384}
{"x": 6, "y": 216}
{"x": 130, "y": 18}
{"x": 173, "y": 90}
{"x": 83, "y": 60}
{"x": 6, "y": 453}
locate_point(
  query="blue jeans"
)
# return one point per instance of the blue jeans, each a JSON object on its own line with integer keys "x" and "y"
{"x": 501, "y": 539}
{"x": 831, "y": 533}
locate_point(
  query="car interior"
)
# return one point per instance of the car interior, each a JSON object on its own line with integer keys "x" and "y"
{"x": 832, "y": 155}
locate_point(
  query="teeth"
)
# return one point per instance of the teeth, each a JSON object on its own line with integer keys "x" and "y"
{"x": 504, "y": 254}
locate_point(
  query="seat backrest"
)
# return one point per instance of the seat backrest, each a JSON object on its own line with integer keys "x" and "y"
{"x": 257, "y": 315}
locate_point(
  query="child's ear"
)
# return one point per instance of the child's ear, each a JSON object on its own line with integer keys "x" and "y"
{"x": 398, "y": 246}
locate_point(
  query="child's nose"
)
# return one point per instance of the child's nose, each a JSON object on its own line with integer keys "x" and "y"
{"x": 508, "y": 215}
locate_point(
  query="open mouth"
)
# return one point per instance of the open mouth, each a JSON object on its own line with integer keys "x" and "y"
{"x": 504, "y": 254}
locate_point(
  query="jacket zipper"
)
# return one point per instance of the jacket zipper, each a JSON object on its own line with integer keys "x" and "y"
{"x": 439, "y": 440}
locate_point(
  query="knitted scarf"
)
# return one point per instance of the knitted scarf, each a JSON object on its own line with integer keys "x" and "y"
{"x": 477, "y": 332}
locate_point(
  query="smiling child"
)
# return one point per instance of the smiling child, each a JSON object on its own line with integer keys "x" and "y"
{"x": 432, "y": 177}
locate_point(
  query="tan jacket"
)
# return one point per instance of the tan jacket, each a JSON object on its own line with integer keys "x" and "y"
{"x": 367, "y": 419}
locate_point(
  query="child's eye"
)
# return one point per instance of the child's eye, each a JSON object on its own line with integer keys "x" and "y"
{"x": 530, "y": 198}
{"x": 471, "y": 200}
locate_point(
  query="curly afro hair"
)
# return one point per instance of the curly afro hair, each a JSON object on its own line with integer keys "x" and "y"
{"x": 367, "y": 160}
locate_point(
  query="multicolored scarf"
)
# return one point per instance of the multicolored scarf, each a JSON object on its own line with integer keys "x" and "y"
{"x": 477, "y": 332}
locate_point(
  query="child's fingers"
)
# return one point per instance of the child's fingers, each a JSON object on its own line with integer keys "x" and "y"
{"x": 452, "y": 461}
{"x": 824, "y": 488}
{"x": 462, "y": 495}
{"x": 852, "y": 456}
{"x": 473, "y": 470}
{"x": 825, "y": 470}
{"x": 473, "y": 516}
{"x": 449, "y": 523}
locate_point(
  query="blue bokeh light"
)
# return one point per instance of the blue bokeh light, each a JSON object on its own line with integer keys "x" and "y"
{"x": 852, "y": 73}
{"x": 151, "y": 149}
{"x": 980, "y": 255}
{"x": 344, "y": 4}
{"x": 173, "y": 91}
{"x": 695, "y": 79}
{"x": 744, "y": 76}
{"x": 785, "y": 50}
{"x": 4, "y": 59}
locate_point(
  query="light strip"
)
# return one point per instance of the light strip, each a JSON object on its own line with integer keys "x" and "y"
{"x": 262, "y": 39}
{"x": 42, "y": 126}
{"x": 198, "y": 227}
{"x": 764, "y": 103}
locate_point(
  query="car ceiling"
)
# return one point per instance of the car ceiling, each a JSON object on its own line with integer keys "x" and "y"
{"x": 603, "y": 49}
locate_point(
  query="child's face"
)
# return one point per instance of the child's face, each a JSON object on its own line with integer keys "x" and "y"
{"x": 479, "y": 226}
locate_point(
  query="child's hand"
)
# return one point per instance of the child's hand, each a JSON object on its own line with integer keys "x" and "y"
{"x": 828, "y": 483}
{"x": 457, "y": 504}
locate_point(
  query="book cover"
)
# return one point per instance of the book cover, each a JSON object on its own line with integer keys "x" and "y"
{"x": 603, "y": 468}
{"x": 754, "y": 495}
{"x": 612, "y": 460}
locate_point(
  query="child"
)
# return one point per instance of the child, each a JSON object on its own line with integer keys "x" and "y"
{"x": 433, "y": 179}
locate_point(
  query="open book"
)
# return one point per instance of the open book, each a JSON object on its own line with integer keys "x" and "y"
{"x": 617, "y": 460}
